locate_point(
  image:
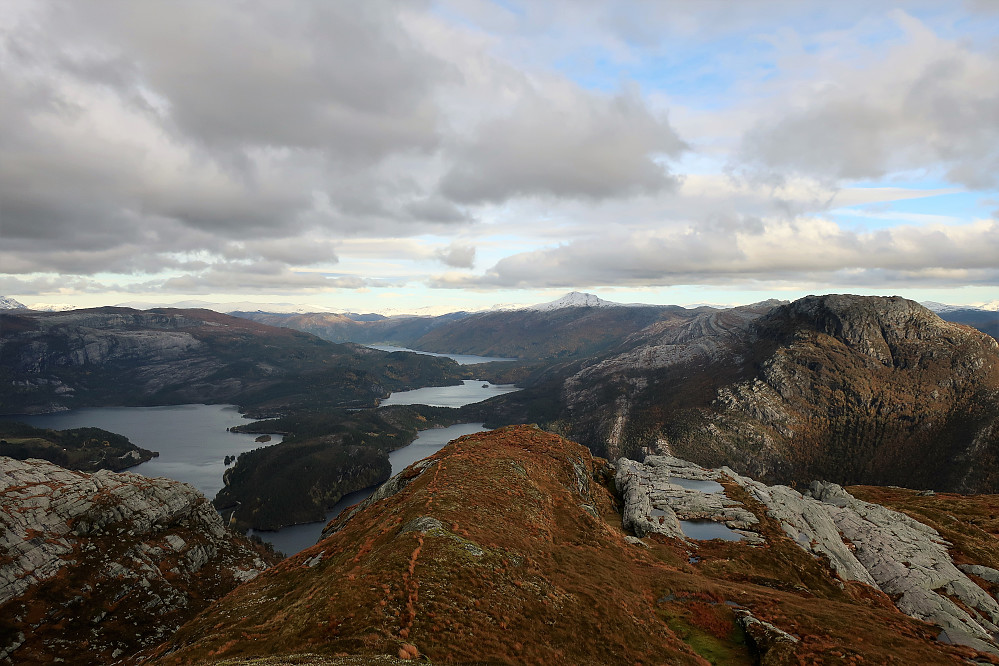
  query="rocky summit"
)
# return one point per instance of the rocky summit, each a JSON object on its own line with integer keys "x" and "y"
{"x": 853, "y": 389}
{"x": 518, "y": 546}
{"x": 95, "y": 567}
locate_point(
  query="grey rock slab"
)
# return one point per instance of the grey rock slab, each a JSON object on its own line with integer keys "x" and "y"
{"x": 985, "y": 573}
{"x": 807, "y": 522}
{"x": 910, "y": 562}
{"x": 654, "y": 504}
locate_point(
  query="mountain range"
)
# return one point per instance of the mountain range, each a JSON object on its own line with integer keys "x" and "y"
{"x": 789, "y": 428}
{"x": 847, "y": 388}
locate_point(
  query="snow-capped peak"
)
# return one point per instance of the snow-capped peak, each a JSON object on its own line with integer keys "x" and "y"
{"x": 574, "y": 299}
{"x": 7, "y": 303}
{"x": 991, "y": 306}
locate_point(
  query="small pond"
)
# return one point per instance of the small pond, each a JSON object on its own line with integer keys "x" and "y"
{"x": 692, "y": 484}
{"x": 708, "y": 529}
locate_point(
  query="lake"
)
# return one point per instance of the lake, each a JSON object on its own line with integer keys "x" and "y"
{"x": 470, "y": 390}
{"x": 191, "y": 439}
{"x": 460, "y": 359}
{"x": 296, "y": 538}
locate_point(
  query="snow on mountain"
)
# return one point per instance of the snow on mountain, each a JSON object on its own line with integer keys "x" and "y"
{"x": 574, "y": 299}
{"x": 7, "y": 303}
{"x": 51, "y": 307}
{"x": 991, "y": 306}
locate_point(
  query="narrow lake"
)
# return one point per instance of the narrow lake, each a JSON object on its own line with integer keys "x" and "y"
{"x": 296, "y": 538}
{"x": 460, "y": 359}
{"x": 191, "y": 439}
{"x": 469, "y": 391}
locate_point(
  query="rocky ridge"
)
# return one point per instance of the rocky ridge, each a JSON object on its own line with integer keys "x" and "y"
{"x": 841, "y": 387}
{"x": 111, "y": 561}
{"x": 864, "y": 542}
{"x": 51, "y": 361}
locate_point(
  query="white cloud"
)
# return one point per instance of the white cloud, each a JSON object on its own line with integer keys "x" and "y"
{"x": 927, "y": 103}
{"x": 752, "y": 249}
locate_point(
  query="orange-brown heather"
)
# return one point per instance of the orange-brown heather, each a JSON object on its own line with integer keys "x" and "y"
{"x": 520, "y": 572}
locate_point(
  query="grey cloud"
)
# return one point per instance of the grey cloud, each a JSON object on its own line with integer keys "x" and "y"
{"x": 134, "y": 132}
{"x": 258, "y": 277}
{"x": 294, "y": 251}
{"x": 566, "y": 143}
{"x": 437, "y": 209}
{"x": 457, "y": 255}
{"x": 341, "y": 75}
{"x": 802, "y": 249}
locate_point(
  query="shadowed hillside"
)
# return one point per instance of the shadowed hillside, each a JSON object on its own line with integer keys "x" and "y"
{"x": 852, "y": 389}
{"x": 119, "y": 356}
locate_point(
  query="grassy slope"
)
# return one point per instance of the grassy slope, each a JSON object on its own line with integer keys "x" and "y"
{"x": 520, "y": 572}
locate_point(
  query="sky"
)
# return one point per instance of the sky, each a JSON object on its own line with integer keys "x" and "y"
{"x": 393, "y": 156}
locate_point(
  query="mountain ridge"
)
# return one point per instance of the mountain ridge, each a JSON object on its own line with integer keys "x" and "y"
{"x": 508, "y": 547}
{"x": 847, "y": 388}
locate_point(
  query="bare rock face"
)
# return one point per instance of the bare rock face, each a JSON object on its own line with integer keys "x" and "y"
{"x": 841, "y": 387}
{"x": 861, "y": 541}
{"x": 112, "y": 561}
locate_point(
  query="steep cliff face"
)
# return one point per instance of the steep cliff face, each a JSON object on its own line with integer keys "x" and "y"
{"x": 94, "y": 567}
{"x": 117, "y": 356}
{"x": 848, "y": 388}
{"x": 508, "y": 547}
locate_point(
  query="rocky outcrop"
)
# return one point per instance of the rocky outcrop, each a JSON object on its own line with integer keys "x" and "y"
{"x": 841, "y": 387}
{"x": 909, "y": 561}
{"x": 860, "y": 541}
{"x": 655, "y": 499}
{"x": 111, "y": 561}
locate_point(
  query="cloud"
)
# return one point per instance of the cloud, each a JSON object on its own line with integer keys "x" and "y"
{"x": 457, "y": 255}
{"x": 752, "y": 249}
{"x": 927, "y": 103}
{"x": 261, "y": 277}
{"x": 564, "y": 142}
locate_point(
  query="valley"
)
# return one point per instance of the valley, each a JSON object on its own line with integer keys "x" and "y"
{"x": 745, "y": 407}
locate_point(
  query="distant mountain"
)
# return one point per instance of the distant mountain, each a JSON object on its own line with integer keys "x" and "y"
{"x": 551, "y": 334}
{"x": 985, "y": 317}
{"x": 120, "y": 356}
{"x": 351, "y": 327}
{"x": 574, "y": 299}
{"x": 991, "y": 306}
{"x": 232, "y": 306}
{"x": 846, "y": 388}
{"x": 51, "y": 307}
{"x": 7, "y": 303}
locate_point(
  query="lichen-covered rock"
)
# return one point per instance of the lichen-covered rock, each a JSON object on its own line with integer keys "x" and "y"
{"x": 807, "y": 522}
{"x": 113, "y": 561}
{"x": 860, "y": 541}
{"x": 909, "y": 561}
{"x": 774, "y": 646}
